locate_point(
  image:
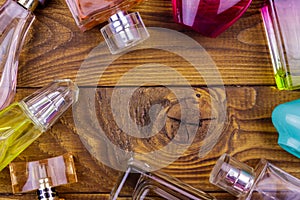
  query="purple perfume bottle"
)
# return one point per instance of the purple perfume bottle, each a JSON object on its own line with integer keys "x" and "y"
{"x": 209, "y": 17}
{"x": 265, "y": 182}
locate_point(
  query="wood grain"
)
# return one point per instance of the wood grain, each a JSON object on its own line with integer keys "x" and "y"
{"x": 55, "y": 48}
{"x": 55, "y": 43}
{"x": 248, "y": 136}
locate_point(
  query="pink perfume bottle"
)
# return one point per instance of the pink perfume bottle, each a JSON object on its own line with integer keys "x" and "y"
{"x": 15, "y": 19}
{"x": 265, "y": 182}
{"x": 209, "y": 17}
{"x": 122, "y": 31}
{"x": 43, "y": 176}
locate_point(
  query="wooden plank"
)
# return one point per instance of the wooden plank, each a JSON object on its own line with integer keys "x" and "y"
{"x": 55, "y": 43}
{"x": 248, "y": 135}
{"x": 93, "y": 197}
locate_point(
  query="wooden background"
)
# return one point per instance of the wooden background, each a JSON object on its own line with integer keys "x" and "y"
{"x": 55, "y": 48}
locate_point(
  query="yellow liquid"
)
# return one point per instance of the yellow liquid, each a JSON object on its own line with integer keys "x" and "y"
{"x": 17, "y": 132}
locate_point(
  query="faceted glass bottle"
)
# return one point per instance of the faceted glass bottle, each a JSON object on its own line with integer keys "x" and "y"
{"x": 281, "y": 21}
{"x": 122, "y": 31}
{"x": 15, "y": 20}
{"x": 43, "y": 176}
{"x": 23, "y": 122}
{"x": 265, "y": 182}
{"x": 146, "y": 185}
{"x": 209, "y": 17}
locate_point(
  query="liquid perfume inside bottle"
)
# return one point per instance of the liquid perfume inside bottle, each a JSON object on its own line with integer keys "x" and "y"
{"x": 142, "y": 184}
{"x": 43, "y": 176}
{"x": 265, "y": 182}
{"x": 209, "y": 17}
{"x": 122, "y": 31}
{"x": 23, "y": 122}
{"x": 281, "y": 21}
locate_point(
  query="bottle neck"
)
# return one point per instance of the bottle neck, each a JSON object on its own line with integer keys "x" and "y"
{"x": 28, "y": 4}
{"x": 233, "y": 176}
{"x": 46, "y": 192}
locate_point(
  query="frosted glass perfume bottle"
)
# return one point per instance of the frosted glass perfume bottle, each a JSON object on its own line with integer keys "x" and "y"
{"x": 123, "y": 30}
{"x": 209, "y": 17}
{"x": 281, "y": 21}
{"x": 15, "y": 19}
{"x": 286, "y": 119}
{"x": 266, "y": 182}
{"x": 23, "y": 122}
{"x": 43, "y": 176}
{"x": 144, "y": 185}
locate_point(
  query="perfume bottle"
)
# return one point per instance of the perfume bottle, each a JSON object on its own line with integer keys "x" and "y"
{"x": 286, "y": 119}
{"x": 281, "y": 19}
{"x": 23, "y": 122}
{"x": 144, "y": 185}
{"x": 43, "y": 176}
{"x": 266, "y": 182}
{"x": 209, "y": 17}
{"x": 122, "y": 31}
{"x": 15, "y": 19}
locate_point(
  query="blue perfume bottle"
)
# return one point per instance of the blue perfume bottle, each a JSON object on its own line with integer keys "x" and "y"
{"x": 286, "y": 119}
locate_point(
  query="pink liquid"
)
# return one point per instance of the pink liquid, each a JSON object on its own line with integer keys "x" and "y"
{"x": 209, "y": 17}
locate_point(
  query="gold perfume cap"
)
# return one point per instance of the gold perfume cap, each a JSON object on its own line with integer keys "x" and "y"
{"x": 29, "y": 4}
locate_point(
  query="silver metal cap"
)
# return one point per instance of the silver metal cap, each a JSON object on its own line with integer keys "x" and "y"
{"x": 233, "y": 176}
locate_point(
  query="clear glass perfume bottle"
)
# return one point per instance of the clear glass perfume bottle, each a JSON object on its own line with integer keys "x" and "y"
{"x": 281, "y": 19}
{"x": 123, "y": 30}
{"x": 23, "y": 122}
{"x": 15, "y": 19}
{"x": 43, "y": 176}
{"x": 266, "y": 182}
{"x": 145, "y": 185}
{"x": 209, "y": 17}
{"x": 286, "y": 119}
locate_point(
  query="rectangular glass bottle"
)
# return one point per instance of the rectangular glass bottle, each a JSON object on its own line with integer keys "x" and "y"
{"x": 143, "y": 184}
{"x": 281, "y": 21}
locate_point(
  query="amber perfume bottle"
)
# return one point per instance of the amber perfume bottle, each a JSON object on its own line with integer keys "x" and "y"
{"x": 23, "y": 122}
{"x": 142, "y": 184}
{"x": 281, "y": 21}
{"x": 265, "y": 182}
{"x": 43, "y": 176}
{"x": 15, "y": 20}
{"x": 122, "y": 31}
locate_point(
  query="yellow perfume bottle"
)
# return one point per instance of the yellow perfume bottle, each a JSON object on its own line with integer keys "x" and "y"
{"x": 23, "y": 122}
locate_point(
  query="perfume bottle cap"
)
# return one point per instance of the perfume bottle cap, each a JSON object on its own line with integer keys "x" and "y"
{"x": 286, "y": 119}
{"x": 124, "y": 31}
{"x": 232, "y": 176}
{"x": 29, "y": 4}
{"x": 42, "y": 174}
{"x": 46, "y": 105}
{"x": 43, "y": 3}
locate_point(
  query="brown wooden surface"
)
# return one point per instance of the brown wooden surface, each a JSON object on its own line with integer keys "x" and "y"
{"x": 55, "y": 48}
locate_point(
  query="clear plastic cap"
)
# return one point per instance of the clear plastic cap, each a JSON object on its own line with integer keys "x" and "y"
{"x": 46, "y": 105}
{"x": 232, "y": 176}
{"x": 124, "y": 31}
{"x": 52, "y": 172}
